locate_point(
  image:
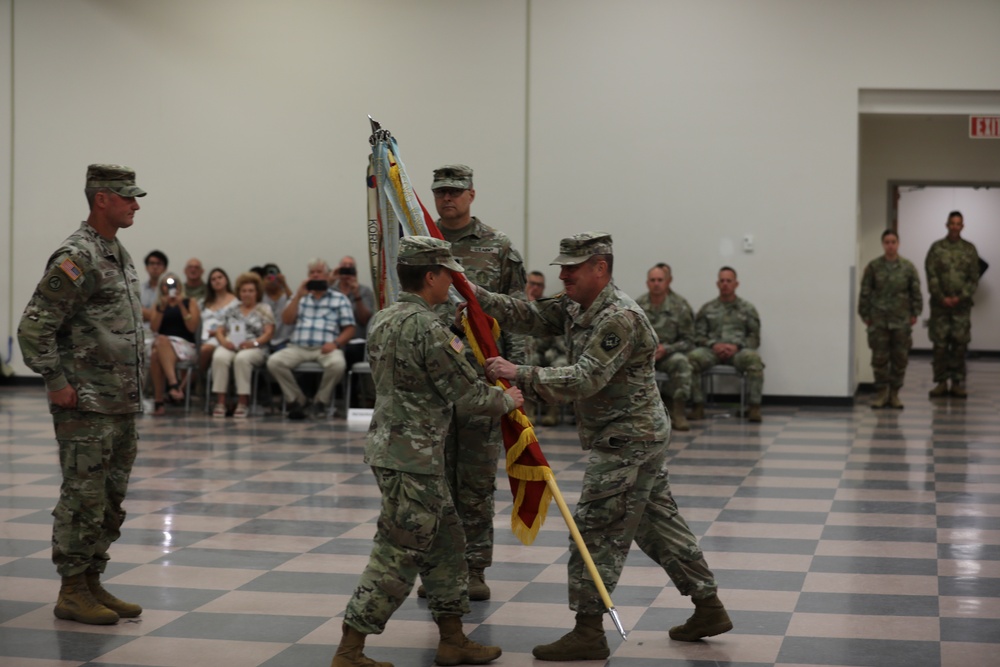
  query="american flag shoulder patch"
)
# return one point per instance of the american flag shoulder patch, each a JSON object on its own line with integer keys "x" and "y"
{"x": 71, "y": 269}
{"x": 456, "y": 344}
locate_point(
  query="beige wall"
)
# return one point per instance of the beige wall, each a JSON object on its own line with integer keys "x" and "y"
{"x": 680, "y": 126}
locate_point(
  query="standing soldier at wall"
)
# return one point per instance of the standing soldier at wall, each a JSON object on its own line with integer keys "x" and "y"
{"x": 82, "y": 332}
{"x": 889, "y": 305}
{"x": 727, "y": 331}
{"x": 474, "y": 443}
{"x": 673, "y": 320}
{"x": 420, "y": 374}
{"x": 952, "y": 267}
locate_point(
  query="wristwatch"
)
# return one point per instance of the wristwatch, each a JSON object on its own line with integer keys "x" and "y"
{"x": 255, "y": 343}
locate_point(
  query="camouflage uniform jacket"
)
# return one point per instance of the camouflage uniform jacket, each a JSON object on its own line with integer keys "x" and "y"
{"x": 490, "y": 262}
{"x": 83, "y": 325}
{"x": 420, "y": 373}
{"x": 672, "y": 320}
{"x": 952, "y": 270}
{"x": 735, "y": 322}
{"x": 890, "y": 293}
{"x": 611, "y": 351}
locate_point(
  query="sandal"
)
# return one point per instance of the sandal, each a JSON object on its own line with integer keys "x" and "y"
{"x": 175, "y": 392}
{"x": 219, "y": 410}
{"x": 158, "y": 409}
{"x": 241, "y": 411}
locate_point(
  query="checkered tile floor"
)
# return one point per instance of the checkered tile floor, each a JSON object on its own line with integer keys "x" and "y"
{"x": 844, "y": 537}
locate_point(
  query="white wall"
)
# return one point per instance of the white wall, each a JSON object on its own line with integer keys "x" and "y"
{"x": 678, "y": 125}
{"x": 923, "y": 149}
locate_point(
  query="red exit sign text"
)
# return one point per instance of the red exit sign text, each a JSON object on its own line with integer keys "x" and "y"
{"x": 984, "y": 127}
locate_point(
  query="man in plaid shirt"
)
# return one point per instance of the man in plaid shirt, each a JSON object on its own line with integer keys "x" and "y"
{"x": 324, "y": 323}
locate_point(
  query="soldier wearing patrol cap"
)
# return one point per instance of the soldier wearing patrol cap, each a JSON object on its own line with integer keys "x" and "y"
{"x": 82, "y": 331}
{"x": 621, "y": 419}
{"x": 474, "y": 443}
{"x": 421, "y": 375}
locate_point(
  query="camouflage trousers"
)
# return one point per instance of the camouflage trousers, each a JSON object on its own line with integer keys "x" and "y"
{"x": 471, "y": 454}
{"x": 950, "y": 331}
{"x": 890, "y": 354}
{"x": 745, "y": 361}
{"x": 626, "y": 496}
{"x": 419, "y": 533}
{"x": 96, "y": 453}
{"x": 678, "y": 367}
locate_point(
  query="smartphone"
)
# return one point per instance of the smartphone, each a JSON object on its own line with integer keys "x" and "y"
{"x": 317, "y": 285}
{"x": 348, "y": 271}
{"x": 171, "y": 287}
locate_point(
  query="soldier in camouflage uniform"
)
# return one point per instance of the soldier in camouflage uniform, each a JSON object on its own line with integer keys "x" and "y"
{"x": 544, "y": 351}
{"x": 952, "y": 268}
{"x": 622, "y": 422}
{"x": 673, "y": 321}
{"x": 420, "y": 374}
{"x": 727, "y": 331}
{"x": 474, "y": 443}
{"x": 889, "y": 306}
{"x": 82, "y": 331}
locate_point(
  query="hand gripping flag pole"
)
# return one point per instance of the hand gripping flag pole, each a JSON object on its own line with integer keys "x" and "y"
{"x": 395, "y": 209}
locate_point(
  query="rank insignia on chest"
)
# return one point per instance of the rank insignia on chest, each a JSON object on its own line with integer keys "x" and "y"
{"x": 456, "y": 344}
{"x": 610, "y": 342}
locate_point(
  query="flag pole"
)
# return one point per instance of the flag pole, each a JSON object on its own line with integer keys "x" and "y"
{"x": 550, "y": 481}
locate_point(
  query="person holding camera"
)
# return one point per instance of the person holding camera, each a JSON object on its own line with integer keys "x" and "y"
{"x": 243, "y": 337}
{"x": 175, "y": 320}
{"x": 362, "y": 303}
{"x": 277, "y": 295}
{"x": 324, "y": 323}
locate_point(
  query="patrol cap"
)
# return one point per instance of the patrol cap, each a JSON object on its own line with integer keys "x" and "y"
{"x": 114, "y": 177}
{"x": 427, "y": 251}
{"x": 453, "y": 176}
{"x": 578, "y": 248}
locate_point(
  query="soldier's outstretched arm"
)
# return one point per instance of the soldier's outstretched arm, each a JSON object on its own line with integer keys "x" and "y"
{"x": 540, "y": 318}
{"x": 456, "y": 380}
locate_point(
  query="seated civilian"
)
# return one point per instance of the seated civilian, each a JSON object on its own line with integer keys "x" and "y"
{"x": 218, "y": 301}
{"x": 345, "y": 281}
{"x": 324, "y": 322}
{"x": 243, "y": 339}
{"x": 176, "y": 318}
{"x": 194, "y": 286}
{"x": 277, "y": 295}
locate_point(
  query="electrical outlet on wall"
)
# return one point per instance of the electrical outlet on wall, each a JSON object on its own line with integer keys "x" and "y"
{"x": 748, "y": 243}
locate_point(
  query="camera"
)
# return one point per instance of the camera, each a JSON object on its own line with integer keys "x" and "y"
{"x": 317, "y": 286}
{"x": 271, "y": 271}
{"x": 348, "y": 271}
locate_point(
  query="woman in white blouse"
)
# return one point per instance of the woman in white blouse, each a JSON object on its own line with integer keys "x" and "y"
{"x": 219, "y": 300}
{"x": 243, "y": 337}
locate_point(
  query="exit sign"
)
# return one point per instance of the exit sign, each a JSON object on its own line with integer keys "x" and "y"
{"x": 984, "y": 127}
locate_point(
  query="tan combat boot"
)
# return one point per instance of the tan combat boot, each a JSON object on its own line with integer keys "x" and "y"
{"x": 586, "y": 641}
{"x": 697, "y": 412}
{"x": 709, "y": 619}
{"x": 939, "y": 390}
{"x": 894, "y": 401}
{"x": 478, "y": 590}
{"x": 753, "y": 414}
{"x": 677, "y": 417}
{"x": 957, "y": 390}
{"x": 77, "y": 603}
{"x": 552, "y": 416}
{"x": 350, "y": 653}
{"x": 881, "y": 398}
{"x": 120, "y": 607}
{"x": 457, "y": 649}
